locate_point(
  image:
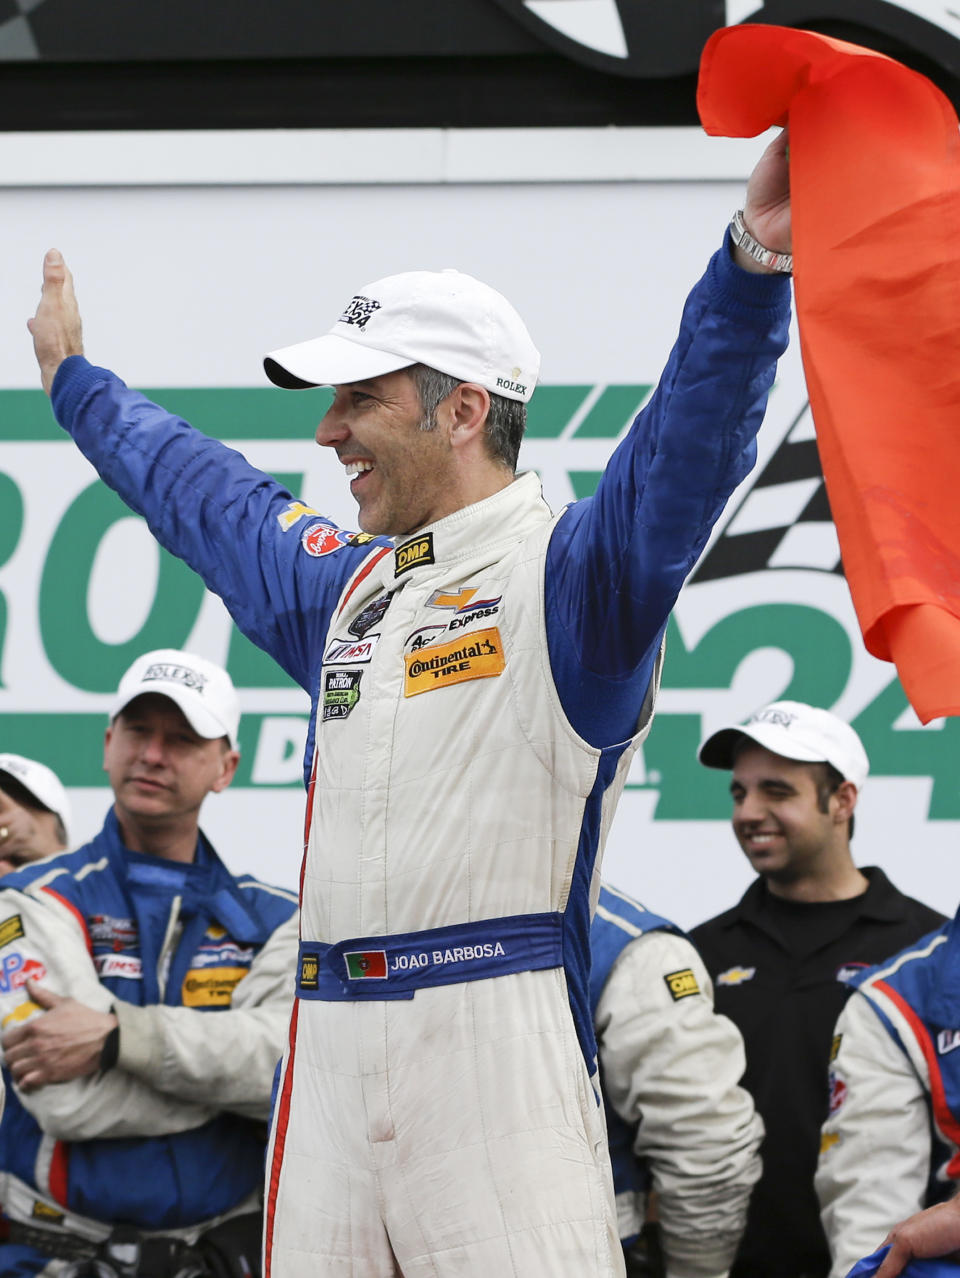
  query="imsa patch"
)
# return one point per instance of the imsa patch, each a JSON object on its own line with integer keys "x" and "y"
{"x": 413, "y": 553}
{"x": 681, "y": 984}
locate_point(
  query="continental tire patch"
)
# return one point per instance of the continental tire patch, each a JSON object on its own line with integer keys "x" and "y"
{"x": 681, "y": 984}
{"x": 211, "y": 987}
{"x": 478, "y": 657}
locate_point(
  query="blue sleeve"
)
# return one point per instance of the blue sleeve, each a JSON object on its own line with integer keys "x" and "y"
{"x": 616, "y": 561}
{"x": 208, "y": 506}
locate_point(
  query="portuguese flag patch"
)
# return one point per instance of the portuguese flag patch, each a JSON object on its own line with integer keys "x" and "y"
{"x": 366, "y": 965}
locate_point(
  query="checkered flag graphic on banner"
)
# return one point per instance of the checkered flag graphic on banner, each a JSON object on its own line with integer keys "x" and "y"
{"x": 784, "y": 520}
{"x": 17, "y": 39}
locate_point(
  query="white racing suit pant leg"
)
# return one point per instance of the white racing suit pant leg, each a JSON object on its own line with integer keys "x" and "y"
{"x": 454, "y": 1135}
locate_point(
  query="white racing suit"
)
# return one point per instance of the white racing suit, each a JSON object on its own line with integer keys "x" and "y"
{"x": 891, "y": 1143}
{"x": 478, "y": 691}
{"x": 670, "y": 1067}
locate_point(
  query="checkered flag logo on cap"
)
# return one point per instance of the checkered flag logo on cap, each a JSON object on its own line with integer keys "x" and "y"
{"x": 784, "y": 519}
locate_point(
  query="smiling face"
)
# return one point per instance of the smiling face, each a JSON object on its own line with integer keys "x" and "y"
{"x": 402, "y": 477}
{"x": 160, "y": 769}
{"x": 787, "y": 825}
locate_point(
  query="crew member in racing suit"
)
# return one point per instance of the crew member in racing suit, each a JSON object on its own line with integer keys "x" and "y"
{"x": 670, "y": 1066}
{"x": 479, "y": 684}
{"x": 144, "y": 995}
{"x": 891, "y": 1143}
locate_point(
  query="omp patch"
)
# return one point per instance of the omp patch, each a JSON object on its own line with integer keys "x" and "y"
{"x": 11, "y": 929}
{"x": 206, "y": 987}
{"x": 309, "y": 972}
{"x": 341, "y": 693}
{"x": 413, "y": 553}
{"x": 369, "y": 616}
{"x": 43, "y": 1211}
{"x": 348, "y": 652}
{"x": 736, "y": 975}
{"x": 681, "y": 984}
{"x": 479, "y": 657}
{"x": 835, "y": 1047}
{"x": 127, "y": 966}
{"x": 293, "y": 513}
{"x": 366, "y": 965}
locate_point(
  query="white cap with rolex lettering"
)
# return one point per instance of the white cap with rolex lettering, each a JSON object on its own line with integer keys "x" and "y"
{"x": 203, "y": 691}
{"x": 444, "y": 319}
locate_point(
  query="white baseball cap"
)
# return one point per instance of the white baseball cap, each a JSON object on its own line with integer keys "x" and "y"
{"x": 204, "y": 692}
{"x": 43, "y": 784}
{"x": 444, "y": 319}
{"x": 795, "y": 731}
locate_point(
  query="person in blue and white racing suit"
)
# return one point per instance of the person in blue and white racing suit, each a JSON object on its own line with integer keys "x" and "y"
{"x": 891, "y": 1143}
{"x": 670, "y": 1066}
{"x": 481, "y": 673}
{"x": 144, "y": 998}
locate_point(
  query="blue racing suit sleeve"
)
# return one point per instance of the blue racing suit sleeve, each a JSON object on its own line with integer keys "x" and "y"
{"x": 206, "y": 504}
{"x": 616, "y": 561}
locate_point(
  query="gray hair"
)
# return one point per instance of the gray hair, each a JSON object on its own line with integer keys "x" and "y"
{"x": 505, "y": 422}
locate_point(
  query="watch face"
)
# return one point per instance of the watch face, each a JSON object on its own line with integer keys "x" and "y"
{"x": 649, "y": 38}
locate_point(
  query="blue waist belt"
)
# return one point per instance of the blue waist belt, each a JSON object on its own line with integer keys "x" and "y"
{"x": 387, "y": 967}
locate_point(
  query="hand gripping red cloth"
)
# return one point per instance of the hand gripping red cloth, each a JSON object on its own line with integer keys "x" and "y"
{"x": 875, "y": 198}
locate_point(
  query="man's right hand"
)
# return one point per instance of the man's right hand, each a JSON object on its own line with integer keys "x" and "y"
{"x": 55, "y": 328}
{"x": 930, "y": 1233}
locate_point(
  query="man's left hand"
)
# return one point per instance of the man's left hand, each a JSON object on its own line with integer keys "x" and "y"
{"x": 62, "y": 1044}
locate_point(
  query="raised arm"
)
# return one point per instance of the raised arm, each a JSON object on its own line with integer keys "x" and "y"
{"x": 617, "y": 560}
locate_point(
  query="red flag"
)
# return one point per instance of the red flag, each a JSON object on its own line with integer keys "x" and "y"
{"x": 875, "y": 197}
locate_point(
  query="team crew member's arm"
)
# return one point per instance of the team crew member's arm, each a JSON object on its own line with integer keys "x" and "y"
{"x": 931, "y": 1233}
{"x": 52, "y": 945}
{"x": 875, "y": 1147}
{"x": 224, "y": 1059}
{"x": 674, "y": 1065}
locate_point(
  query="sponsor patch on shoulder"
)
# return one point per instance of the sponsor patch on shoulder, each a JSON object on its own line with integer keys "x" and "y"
{"x": 323, "y": 539}
{"x": 292, "y": 513}
{"x": 11, "y": 929}
{"x": 681, "y": 984}
{"x": 835, "y": 1047}
{"x": 16, "y": 969}
{"x": 736, "y": 975}
{"x": 838, "y": 1091}
{"x": 413, "y": 553}
{"x": 479, "y": 656}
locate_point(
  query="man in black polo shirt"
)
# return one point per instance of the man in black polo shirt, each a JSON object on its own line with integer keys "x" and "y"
{"x": 775, "y": 958}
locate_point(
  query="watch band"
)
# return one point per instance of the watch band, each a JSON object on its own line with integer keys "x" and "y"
{"x": 782, "y": 262}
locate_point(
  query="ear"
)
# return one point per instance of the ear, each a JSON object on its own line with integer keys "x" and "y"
{"x": 106, "y": 745}
{"x": 230, "y": 760}
{"x": 843, "y": 801}
{"x": 467, "y": 407}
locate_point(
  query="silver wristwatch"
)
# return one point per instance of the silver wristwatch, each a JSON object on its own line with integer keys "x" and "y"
{"x": 782, "y": 262}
